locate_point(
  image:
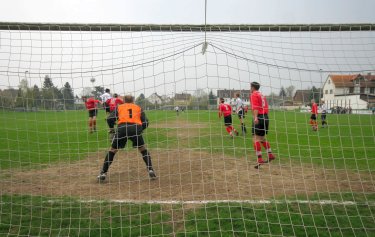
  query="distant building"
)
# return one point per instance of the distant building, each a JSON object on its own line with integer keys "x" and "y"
{"x": 8, "y": 97}
{"x": 354, "y": 91}
{"x": 166, "y": 99}
{"x": 183, "y": 99}
{"x": 154, "y": 98}
{"x": 302, "y": 97}
{"x": 230, "y": 96}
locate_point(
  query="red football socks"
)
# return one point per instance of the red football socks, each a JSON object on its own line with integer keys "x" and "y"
{"x": 258, "y": 149}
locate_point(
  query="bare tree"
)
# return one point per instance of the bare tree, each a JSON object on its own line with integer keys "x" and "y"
{"x": 290, "y": 90}
{"x": 23, "y": 86}
{"x": 282, "y": 92}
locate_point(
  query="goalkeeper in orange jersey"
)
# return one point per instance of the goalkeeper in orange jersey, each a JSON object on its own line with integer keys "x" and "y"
{"x": 314, "y": 115}
{"x": 225, "y": 111}
{"x": 132, "y": 121}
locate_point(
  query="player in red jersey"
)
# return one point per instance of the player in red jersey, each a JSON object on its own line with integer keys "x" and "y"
{"x": 225, "y": 110}
{"x": 92, "y": 107}
{"x": 259, "y": 107}
{"x": 314, "y": 115}
{"x": 112, "y": 104}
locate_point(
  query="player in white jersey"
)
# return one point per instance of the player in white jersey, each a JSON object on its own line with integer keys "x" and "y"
{"x": 241, "y": 112}
{"x": 323, "y": 108}
{"x": 105, "y": 97}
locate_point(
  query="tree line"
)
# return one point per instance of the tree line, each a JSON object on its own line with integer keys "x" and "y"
{"x": 48, "y": 97}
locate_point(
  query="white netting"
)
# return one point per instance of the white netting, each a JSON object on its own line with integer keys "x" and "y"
{"x": 321, "y": 182}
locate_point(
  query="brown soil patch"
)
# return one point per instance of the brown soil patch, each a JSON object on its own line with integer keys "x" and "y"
{"x": 180, "y": 128}
{"x": 182, "y": 175}
{"x": 179, "y": 123}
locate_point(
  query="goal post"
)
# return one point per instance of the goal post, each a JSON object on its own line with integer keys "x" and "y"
{"x": 321, "y": 181}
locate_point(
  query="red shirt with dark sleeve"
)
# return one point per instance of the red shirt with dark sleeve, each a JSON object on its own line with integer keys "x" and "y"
{"x": 91, "y": 103}
{"x": 314, "y": 108}
{"x": 225, "y": 109}
{"x": 113, "y": 102}
{"x": 259, "y": 102}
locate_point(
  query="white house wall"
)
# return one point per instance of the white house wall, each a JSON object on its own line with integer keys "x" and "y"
{"x": 345, "y": 101}
{"x": 153, "y": 99}
{"x": 329, "y": 90}
{"x": 340, "y": 97}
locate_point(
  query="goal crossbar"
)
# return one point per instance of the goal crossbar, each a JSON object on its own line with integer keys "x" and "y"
{"x": 192, "y": 28}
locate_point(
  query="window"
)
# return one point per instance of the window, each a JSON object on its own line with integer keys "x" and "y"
{"x": 372, "y": 90}
{"x": 329, "y": 82}
{"x": 351, "y": 90}
{"x": 362, "y": 89}
{"x": 326, "y": 92}
{"x": 331, "y": 91}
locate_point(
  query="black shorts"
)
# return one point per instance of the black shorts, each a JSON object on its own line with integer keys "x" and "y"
{"x": 111, "y": 121}
{"x": 106, "y": 107}
{"x": 323, "y": 117}
{"x": 313, "y": 117}
{"x": 261, "y": 129}
{"x": 228, "y": 120}
{"x": 93, "y": 113}
{"x": 241, "y": 114}
{"x": 125, "y": 132}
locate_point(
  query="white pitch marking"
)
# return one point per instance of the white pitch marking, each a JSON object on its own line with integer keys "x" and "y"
{"x": 316, "y": 202}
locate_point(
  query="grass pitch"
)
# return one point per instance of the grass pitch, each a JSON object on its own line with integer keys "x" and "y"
{"x": 41, "y": 139}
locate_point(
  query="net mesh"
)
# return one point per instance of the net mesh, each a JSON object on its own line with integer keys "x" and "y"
{"x": 321, "y": 182}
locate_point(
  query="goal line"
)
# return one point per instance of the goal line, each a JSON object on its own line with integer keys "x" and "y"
{"x": 197, "y": 202}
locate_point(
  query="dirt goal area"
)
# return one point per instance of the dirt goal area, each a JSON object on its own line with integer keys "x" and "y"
{"x": 183, "y": 175}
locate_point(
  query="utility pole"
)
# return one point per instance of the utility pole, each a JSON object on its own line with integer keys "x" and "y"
{"x": 27, "y": 94}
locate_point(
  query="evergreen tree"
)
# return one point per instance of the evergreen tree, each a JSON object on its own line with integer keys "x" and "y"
{"x": 20, "y": 100}
{"x": 68, "y": 96}
{"x": 37, "y": 97}
{"x": 140, "y": 100}
{"x": 50, "y": 94}
{"x": 98, "y": 91}
{"x": 315, "y": 94}
{"x": 212, "y": 98}
{"x": 47, "y": 84}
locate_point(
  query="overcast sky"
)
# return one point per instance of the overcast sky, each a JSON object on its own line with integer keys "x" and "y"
{"x": 121, "y": 60}
{"x": 189, "y": 11}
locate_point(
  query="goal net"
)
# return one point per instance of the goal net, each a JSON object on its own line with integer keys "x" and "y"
{"x": 208, "y": 180}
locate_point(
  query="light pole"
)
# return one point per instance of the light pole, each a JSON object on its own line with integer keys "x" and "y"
{"x": 27, "y": 89}
{"x": 320, "y": 89}
{"x": 92, "y": 80}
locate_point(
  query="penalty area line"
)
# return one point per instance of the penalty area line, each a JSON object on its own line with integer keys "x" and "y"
{"x": 198, "y": 202}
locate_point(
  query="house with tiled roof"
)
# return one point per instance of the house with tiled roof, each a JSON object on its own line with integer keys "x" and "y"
{"x": 302, "y": 97}
{"x": 229, "y": 96}
{"x": 154, "y": 98}
{"x": 354, "y": 91}
{"x": 182, "y": 100}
